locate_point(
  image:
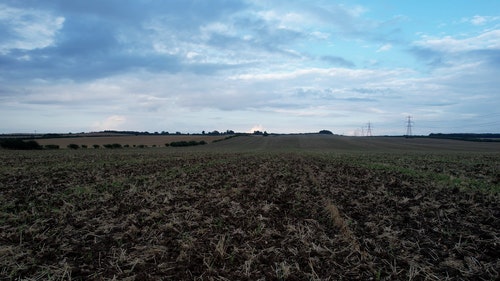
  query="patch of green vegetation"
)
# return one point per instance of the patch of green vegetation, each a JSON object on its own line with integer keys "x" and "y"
{"x": 447, "y": 170}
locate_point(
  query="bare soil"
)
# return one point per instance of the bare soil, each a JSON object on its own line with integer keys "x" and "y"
{"x": 130, "y": 140}
{"x": 163, "y": 214}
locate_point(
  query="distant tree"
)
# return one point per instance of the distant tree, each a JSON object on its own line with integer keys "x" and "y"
{"x": 96, "y": 146}
{"x": 84, "y": 146}
{"x": 325, "y": 132}
{"x": 19, "y": 144}
{"x": 73, "y": 146}
{"x": 52, "y": 136}
{"x": 31, "y": 144}
{"x": 51, "y": 146}
{"x": 186, "y": 143}
{"x": 257, "y": 133}
{"x": 265, "y": 134}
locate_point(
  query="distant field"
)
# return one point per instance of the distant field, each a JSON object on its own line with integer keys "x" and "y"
{"x": 253, "y": 208}
{"x": 290, "y": 142}
{"x": 329, "y": 143}
{"x": 130, "y": 140}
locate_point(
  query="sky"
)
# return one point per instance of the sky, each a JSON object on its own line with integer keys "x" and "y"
{"x": 281, "y": 66}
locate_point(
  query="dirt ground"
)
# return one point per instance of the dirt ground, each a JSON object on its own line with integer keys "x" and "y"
{"x": 127, "y": 140}
{"x": 162, "y": 215}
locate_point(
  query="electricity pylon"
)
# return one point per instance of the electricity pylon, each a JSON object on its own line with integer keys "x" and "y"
{"x": 408, "y": 127}
{"x": 369, "y": 130}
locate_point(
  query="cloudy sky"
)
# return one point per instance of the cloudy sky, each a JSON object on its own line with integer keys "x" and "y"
{"x": 282, "y": 66}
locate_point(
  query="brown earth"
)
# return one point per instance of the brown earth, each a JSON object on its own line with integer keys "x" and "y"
{"x": 332, "y": 143}
{"x": 130, "y": 140}
{"x": 195, "y": 214}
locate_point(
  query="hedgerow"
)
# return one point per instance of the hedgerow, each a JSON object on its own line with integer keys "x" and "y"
{"x": 186, "y": 143}
{"x": 19, "y": 144}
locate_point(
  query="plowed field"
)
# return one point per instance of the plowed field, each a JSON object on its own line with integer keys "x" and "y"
{"x": 127, "y": 140}
{"x": 172, "y": 214}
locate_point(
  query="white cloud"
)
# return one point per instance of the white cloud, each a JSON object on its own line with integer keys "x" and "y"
{"x": 344, "y": 76}
{"x": 256, "y": 128}
{"x": 306, "y": 111}
{"x": 115, "y": 122}
{"x": 30, "y": 29}
{"x": 356, "y": 11}
{"x": 217, "y": 28}
{"x": 485, "y": 40}
{"x": 320, "y": 35}
{"x": 192, "y": 55}
{"x": 283, "y": 19}
{"x": 478, "y": 20}
{"x": 178, "y": 67}
{"x": 481, "y": 20}
{"x": 384, "y": 48}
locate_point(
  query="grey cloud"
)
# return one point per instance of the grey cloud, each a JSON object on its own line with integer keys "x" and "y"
{"x": 274, "y": 40}
{"x": 439, "y": 104}
{"x": 225, "y": 41}
{"x": 378, "y": 92}
{"x": 49, "y": 64}
{"x": 428, "y": 56}
{"x": 101, "y": 38}
{"x": 392, "y": 36}
{"x": 490, "y": 56}
{"x": 437, "y": 59}
{"x": 360, "y": 99}
{"x": 84, "y": 37}
{"x": 445, "y": 58}
{"x": 338, "y": 16}
{"x": 328, "y": 94}
{"x": 226, "y": 102}
{"x": 6, "y": 32}
{"x": 267, "y": 36}
{"x": 187, "y": 12}
{"x": 338, "y": 61}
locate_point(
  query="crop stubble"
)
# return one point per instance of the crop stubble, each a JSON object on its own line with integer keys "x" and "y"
{"x": 246, "y": 216}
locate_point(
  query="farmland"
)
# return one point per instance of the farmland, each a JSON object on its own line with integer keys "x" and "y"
{"x": 254, "y": 208}
{"x": 127, "y": 140}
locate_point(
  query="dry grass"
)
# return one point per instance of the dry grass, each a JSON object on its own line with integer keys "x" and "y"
{"x": 342, "y": 225}
{"x": 149, "y": 214}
